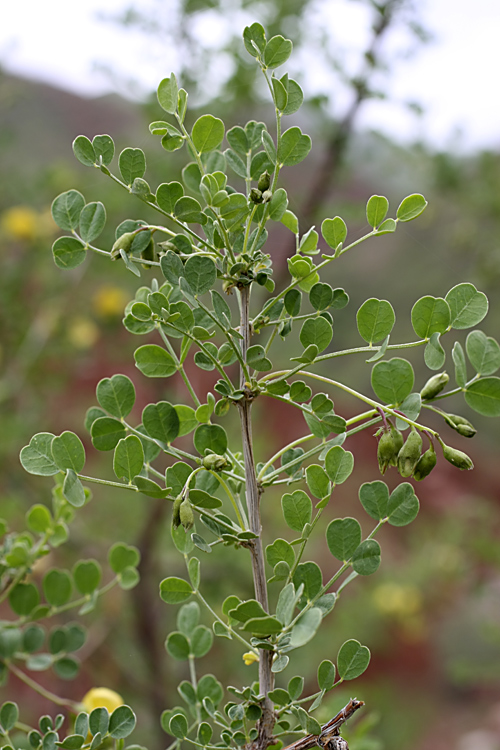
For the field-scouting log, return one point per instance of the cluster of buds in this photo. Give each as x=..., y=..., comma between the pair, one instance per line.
x=262, y=194
x=182, y=513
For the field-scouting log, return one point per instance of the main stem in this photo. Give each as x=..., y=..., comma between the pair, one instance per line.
x=253, y=492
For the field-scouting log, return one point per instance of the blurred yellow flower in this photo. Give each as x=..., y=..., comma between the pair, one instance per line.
x=250, y=657
x=109, y=301
x=101, y=697
x=21, y=222
x=397, y=600
x=82, y=333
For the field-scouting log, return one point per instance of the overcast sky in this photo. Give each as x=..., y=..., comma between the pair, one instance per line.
x=455, y=77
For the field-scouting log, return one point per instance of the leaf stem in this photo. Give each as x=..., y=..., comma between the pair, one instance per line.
x=72, y=705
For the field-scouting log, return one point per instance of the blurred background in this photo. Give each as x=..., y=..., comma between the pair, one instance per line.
x=401, y=97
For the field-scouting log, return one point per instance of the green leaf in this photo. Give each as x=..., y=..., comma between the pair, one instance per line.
x=278, y=203
x=38, y=519
x=68, y=252
x=300, y=392
x=188, y=618
x=132, y=164
x=321, y=296
x=36, y=458
x=207, y=133
x=343, y=537
x=326, y=675
x=411, y=207
x=92, y=221
x=99, y=721
x=483, y=352
x=161, y=421
x=116, y=395
x=374, y=497
x=72, y=742
x=317, y=331
x=430, y=315
x=177, y=646
x=237, y=139
x=211, y=437
x=339, y=464
x=87, y=576
x=277, y=51
x=468, y=306
x=150, y=488
x=256, y=358
x=247, y=610
x=306, y=627
x=334, y=231
x=106, y=432
x=104, y=148
x=375, y=319
x=295, y=97
x=393, y=380
x=279, y=696
x=168, y=94
x=297, y=509
x=57, y=587
x=317, y=481
x=84, y=151
x=290, y=221
x=403, y=505
x=167, y=195
x=352, y=660
x=68, y=452
x=9, y=714
x=175, y=590
x=263, y=626
x=269, y=147
x=73, y=489
x=189, y=210
x=254, y=38
x=280, y=94
x=121, y=722
x=309, y=574
x=122, y=556
x=380, y=351
x=202, y=499
x=66, y=210
x=293, y=147
x=280, y=550
x=434, y=354
x=376, y=210
x=200, y=272
x=201, y=641
x=460, y=364
x=366, y=558
x=23, y=598
x=484, y=396
x=154, y=362
x=129, y=458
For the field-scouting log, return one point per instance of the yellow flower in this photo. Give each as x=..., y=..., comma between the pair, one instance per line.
x=21, y=222
x=101, y=697
x=109, y=301
x=397, y=600
x=250, y=658
x=82, y=333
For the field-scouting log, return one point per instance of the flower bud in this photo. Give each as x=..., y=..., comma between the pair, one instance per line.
x=461, y=425
x=264, y=182
x=214, y=462
x=256, y=195
x=385, y=451
x=266, y=196
x=409, y=454
x=186, y=515
x=398, y=439
x=124, y=242
x=176, y=516
x=434, y=386
x=425, y=465
x=457, y=458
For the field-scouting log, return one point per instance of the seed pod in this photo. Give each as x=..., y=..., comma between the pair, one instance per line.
x=176, y=516
x=434, y=386
x=398, y=439
x=386, y=451
x=425, y=464
x=168, y=245
x=214, y=462
x=409, y=454
x=186, y=515
x=264, y=181
x=256, y=195
x=148, y=253
x=124, y=242
x=461, y=425
x=457, y=458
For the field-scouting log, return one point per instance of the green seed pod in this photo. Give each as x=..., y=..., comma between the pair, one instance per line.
x=457, y=458
x=425, y=465
x=264, y=182
x=168, y=245
x=148, y=253
x=186, y=515
x=398, y=439
x=214, y=462
x=409, y=454
x=461, y=425
x=256, y=195
x=124, y=242
x=434, y=386
x=176, y=516
x=386, y=451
